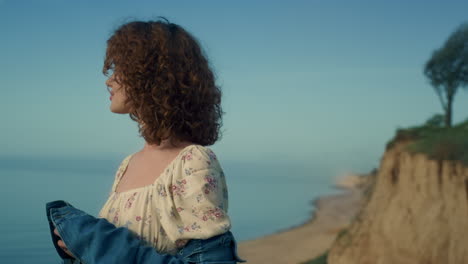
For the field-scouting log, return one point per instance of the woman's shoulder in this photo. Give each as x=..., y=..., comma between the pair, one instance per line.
x=125, y=161
x=200, y=150
x=123, y=164
x=199, y=156
x=198, y=153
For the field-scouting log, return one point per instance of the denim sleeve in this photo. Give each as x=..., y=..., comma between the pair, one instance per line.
x=97, y=241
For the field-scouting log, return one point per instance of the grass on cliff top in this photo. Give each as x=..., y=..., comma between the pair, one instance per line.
x=437, y=142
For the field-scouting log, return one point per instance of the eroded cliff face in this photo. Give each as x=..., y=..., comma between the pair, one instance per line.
x=417, y=214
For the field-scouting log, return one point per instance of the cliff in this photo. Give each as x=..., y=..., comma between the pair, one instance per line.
x=417, y=213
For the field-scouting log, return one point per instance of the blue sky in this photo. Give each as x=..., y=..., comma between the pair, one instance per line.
x=303, y=81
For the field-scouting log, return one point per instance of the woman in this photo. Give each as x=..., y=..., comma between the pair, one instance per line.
x=171, y=194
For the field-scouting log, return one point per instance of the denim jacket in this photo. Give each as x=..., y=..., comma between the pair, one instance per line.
x=96, y=241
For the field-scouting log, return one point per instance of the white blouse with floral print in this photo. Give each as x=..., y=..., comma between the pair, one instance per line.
x=189, y=200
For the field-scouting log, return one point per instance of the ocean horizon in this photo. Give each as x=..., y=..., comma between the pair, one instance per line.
x=264, y=198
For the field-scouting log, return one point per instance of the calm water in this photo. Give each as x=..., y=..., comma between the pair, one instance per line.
x=263, y=198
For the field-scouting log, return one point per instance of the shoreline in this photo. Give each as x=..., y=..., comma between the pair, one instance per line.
x=314, y=236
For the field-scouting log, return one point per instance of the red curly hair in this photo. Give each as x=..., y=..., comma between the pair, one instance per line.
x=168, y=82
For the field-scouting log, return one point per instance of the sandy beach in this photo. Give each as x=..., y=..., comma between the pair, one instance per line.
x=311, y=239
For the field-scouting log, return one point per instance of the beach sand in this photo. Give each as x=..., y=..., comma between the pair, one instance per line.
x=311, y=239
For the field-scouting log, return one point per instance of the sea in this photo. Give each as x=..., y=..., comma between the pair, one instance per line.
x=264, y=198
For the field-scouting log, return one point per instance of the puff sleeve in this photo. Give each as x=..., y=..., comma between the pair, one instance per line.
x=200, y=196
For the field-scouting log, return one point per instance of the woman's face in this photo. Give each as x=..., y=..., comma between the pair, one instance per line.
x=117, y=96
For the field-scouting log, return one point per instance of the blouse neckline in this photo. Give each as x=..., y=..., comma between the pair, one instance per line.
x=125, y=166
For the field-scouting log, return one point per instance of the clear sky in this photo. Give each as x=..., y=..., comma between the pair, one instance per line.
x=323, y=81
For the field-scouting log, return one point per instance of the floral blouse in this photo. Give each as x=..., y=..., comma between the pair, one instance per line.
x=189, y=200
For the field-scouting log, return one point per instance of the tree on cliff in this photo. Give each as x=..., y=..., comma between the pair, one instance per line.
x=447, y=69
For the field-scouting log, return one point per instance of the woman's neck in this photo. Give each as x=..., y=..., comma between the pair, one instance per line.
x=164, y=145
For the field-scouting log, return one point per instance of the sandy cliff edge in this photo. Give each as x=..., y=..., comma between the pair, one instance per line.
x=416, y=214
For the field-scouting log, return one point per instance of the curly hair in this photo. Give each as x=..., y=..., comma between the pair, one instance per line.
x=168, y=82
